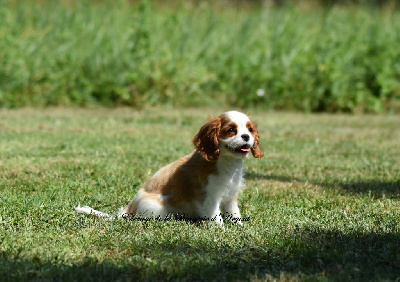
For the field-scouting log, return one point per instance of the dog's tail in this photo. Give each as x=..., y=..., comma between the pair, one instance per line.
x=89, y=210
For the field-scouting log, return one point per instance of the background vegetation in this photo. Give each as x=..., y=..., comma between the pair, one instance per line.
x=289, y=56
x=323, y=203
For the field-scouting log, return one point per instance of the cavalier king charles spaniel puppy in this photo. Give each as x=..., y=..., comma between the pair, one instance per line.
x=202, y=183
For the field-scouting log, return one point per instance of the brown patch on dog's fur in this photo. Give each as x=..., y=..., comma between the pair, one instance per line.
x=176, y=182
x=227, y=124
x=206, y=140
x=256, y=150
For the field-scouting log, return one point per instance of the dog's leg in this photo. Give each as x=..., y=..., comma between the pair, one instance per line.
x=231, y=211
x=146, y=204
x=210, y=209
x=150, y=207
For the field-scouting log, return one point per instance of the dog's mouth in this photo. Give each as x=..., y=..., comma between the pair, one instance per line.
x=244, y=149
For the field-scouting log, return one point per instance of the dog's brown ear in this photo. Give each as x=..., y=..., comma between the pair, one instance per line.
x=256, y=150
x=206, y=140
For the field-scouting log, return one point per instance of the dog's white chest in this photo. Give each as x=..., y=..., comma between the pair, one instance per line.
x=227, y=182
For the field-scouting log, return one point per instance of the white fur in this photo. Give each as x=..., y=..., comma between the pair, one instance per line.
x=89, y=210
x=223, y=188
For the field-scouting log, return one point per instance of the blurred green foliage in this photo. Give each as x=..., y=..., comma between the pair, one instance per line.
x=290, y=57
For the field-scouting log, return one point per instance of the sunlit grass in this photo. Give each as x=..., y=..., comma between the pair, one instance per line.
x=323, y=202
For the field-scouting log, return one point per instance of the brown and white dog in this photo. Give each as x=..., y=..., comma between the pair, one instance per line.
x=200, y=184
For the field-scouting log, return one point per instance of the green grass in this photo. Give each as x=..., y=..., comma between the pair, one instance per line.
x=300, y=57
x=323, y=204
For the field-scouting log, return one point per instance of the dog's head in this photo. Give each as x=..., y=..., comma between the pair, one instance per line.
x=232, y=133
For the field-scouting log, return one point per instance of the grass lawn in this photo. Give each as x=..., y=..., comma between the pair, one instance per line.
x=324, y=202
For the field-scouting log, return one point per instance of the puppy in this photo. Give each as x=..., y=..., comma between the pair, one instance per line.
x=202, y=183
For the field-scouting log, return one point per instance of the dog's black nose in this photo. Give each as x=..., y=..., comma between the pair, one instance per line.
x=245, y=137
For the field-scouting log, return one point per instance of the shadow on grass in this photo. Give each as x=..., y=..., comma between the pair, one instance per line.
x=376, y=188
x=19, y=269
x=307, y=252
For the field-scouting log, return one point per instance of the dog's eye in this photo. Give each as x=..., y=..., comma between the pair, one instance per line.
x=250, y=129
x=230, y=130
